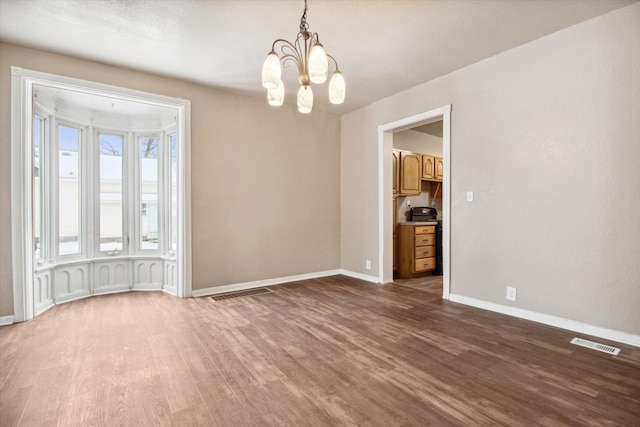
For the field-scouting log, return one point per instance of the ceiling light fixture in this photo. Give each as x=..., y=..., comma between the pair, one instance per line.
x=313, y=66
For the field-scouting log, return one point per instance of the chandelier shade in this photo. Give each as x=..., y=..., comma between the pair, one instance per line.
x=305, y=99
x=311, y=60
x=271, y=71
x=337, y=88
x=318, y=64
x=276, y=96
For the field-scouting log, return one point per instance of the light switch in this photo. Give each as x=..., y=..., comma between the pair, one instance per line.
x=469, y=196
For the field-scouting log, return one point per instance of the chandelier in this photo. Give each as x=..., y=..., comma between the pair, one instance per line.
x=312, y=62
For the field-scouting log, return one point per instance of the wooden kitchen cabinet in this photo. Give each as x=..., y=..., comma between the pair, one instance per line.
x=416, y=250
x=410, y=173
x=395, y=234
x=396, y=171
x=438, y=169
x=428, y=167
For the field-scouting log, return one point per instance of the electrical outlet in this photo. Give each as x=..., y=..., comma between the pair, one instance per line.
x=511, y=293
x=367, y=264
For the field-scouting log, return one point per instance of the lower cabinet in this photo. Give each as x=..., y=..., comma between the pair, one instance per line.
x=416, y=250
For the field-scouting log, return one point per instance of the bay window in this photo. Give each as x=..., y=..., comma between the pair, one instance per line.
x=107, y=185
x=100, y=193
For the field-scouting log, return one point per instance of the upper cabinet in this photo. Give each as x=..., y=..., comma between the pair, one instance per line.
x=438, y=169
x=410, y=173
x=410, y=169
x=396, y=171
x=428, y=167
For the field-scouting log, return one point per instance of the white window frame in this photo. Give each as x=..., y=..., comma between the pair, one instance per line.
x=126, y=187
x=169, y=132
x=84, y=152
x=22, y=108
x=138, y=190
x=45, y=244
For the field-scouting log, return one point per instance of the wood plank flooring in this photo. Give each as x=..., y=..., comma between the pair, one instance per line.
x=331, y=351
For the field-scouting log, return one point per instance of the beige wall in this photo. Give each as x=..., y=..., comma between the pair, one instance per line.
x=418, y=142
x=547, y=135
x=265, y=181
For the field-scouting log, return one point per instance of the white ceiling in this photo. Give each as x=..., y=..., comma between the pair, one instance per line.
x=382, y=47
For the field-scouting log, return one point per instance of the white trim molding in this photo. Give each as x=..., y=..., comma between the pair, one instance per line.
x=385, y=191
x=547, y=319
x=6, y=320
x=260, y=283
x=366, y=277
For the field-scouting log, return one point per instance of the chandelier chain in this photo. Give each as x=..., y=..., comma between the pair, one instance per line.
x=304, y=27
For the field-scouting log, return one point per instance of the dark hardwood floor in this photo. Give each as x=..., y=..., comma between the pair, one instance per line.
x=331, y=351
x=431, y=284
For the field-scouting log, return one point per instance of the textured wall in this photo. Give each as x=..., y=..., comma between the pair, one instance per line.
x=265, y=181
x=418, y=142
x=547, y=135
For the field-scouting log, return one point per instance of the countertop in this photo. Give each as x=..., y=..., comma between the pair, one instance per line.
x=418, y=222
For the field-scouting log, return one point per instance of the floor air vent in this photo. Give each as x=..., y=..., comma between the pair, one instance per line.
x=596, y=346
x=238, y=294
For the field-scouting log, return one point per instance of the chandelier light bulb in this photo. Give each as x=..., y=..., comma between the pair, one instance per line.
x=271, y=71
x=318, y=64
x=276, y=96
x=305, y=99
x=337, y=88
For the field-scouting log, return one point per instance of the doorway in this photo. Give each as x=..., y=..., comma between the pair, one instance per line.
x=385, y=190
x=113, y=234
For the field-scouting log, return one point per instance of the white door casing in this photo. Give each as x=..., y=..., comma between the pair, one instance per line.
x=385, y=191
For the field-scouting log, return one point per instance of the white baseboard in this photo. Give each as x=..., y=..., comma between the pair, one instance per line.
x=110, y=290
x=547, y=319
x=72, y=297
x=44, y=307
x=147, y=287
x=360, y=276
x=260, y=283
x=170, y=291
x=6, y=320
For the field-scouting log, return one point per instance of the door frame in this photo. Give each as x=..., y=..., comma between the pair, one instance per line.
x=22, y=88
x=385, y=191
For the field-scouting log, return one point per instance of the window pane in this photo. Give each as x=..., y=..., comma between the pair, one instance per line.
x=111, y=155
x=148, y=192
x=38, y=136
x=68, y=190
x=174, y=191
